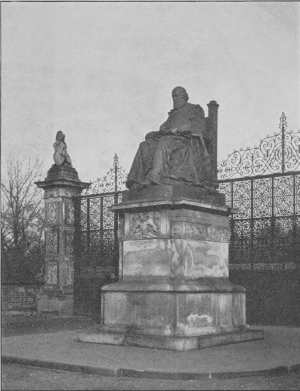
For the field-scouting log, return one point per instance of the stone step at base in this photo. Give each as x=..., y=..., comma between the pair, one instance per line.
x=171, y=342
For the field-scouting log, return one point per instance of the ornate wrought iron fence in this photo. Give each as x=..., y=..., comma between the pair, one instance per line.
x=113, y=181
x=275, y=154
x=96, y=242
x=264, y=251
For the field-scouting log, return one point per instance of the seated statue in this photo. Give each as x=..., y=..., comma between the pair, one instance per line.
x=61, y=155
x=177, y=153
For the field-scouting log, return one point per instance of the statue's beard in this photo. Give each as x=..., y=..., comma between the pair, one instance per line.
x=178, y=104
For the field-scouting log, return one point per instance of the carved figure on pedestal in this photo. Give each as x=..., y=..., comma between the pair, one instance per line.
x=61, y=155
x=178, y=152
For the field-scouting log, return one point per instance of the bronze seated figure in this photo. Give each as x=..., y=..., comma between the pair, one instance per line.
x=183, y=151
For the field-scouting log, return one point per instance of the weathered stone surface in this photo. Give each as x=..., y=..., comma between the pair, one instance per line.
x=60, y=186
x=187, y=221
x=185, y=258
x=197, y=314
x=173, y=287
x=181, y=344
x=62, y=172
x=61, y=155
x=206, y=231
x=146, y=312
x=169, y=343
x=174, y=192
x=193, y=343
x=193, y=205
x=173, y=284
x=238, y=309
x=195, y=259
x=144, y=225
x=178, y=313
x=103, y=338
x=49, y=302
x=52, y=213
x=146, y=258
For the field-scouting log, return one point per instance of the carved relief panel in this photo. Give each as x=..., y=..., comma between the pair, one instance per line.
x=70, y=273
x=200, y=231
x=52, y=217
x=145, y=225
x=52, y=277
x=51, y=242
x=50, y=193
x=69, y=213
x=69, y=243
x=63, y=192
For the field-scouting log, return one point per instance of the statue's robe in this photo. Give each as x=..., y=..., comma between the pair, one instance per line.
x=166, y=158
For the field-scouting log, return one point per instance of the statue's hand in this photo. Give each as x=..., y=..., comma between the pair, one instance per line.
x=185, y=128
x=175, y=131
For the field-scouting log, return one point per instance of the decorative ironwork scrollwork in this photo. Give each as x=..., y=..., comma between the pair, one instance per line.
x=113, y=181
x=262, y=197
x=277, y=153
x=283, y=195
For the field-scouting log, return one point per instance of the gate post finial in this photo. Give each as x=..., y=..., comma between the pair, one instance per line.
x=116, y=168
x=282, y=123
x=116, y=160
x=282, y=126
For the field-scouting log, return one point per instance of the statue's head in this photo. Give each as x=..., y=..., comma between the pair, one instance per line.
x=60, y=136
x=180, y=97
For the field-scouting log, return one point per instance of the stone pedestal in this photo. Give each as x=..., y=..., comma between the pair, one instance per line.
x=173, y=291
x=61, y=184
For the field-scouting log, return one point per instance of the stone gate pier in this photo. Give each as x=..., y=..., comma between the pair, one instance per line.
x=60, y=186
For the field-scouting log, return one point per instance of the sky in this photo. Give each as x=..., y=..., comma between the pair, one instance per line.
x=103, y=74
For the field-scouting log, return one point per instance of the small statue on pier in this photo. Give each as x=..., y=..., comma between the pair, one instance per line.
x=61, y=155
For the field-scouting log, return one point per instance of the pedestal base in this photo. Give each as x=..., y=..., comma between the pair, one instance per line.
x=174, y=308
x=173, y=315
x=128, y=338
x=173, y=291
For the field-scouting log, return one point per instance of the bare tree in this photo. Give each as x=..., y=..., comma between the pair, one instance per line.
x=22, y=215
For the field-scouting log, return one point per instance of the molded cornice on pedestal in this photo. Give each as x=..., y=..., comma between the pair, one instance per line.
x=172, y=204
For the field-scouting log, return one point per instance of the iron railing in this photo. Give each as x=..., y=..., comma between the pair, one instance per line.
x=264, y=252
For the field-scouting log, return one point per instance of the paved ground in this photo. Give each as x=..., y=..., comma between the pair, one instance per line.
x=135, y=368
x=32, y=323
x=20, y=377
